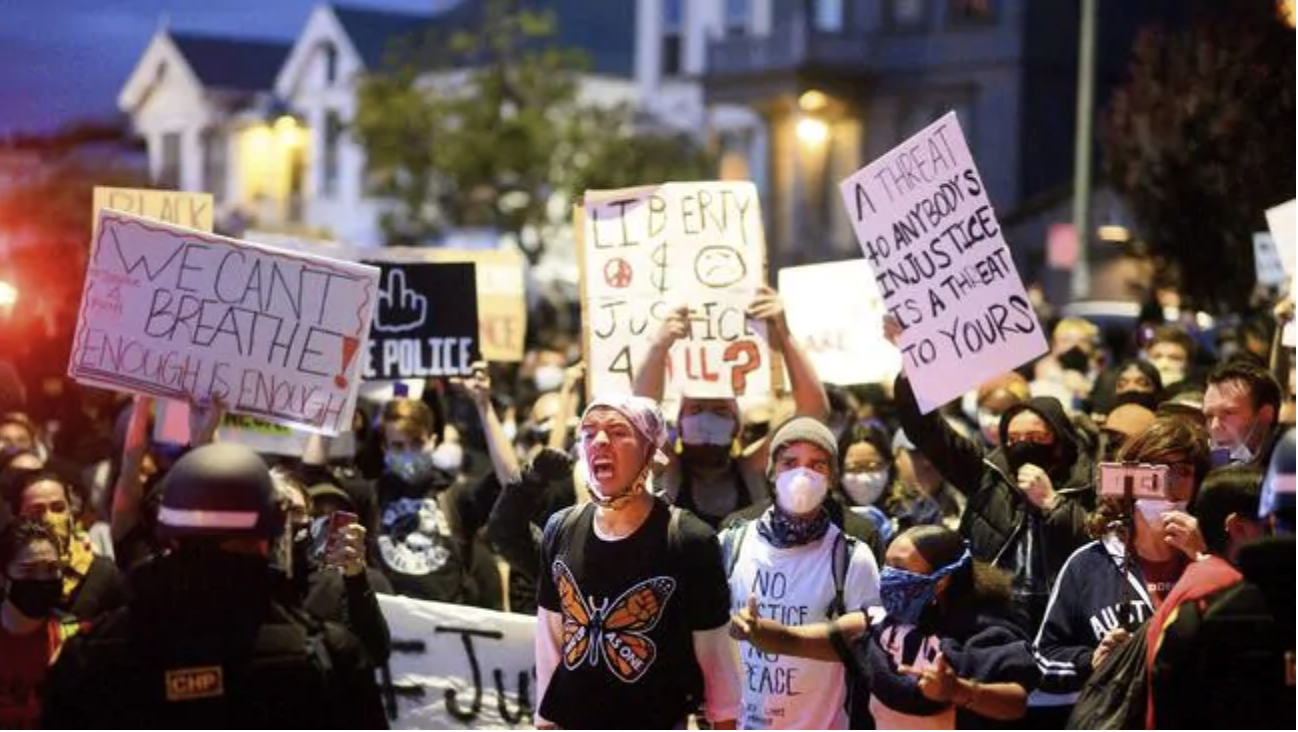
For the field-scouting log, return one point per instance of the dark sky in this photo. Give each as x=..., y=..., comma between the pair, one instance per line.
x=63, y=60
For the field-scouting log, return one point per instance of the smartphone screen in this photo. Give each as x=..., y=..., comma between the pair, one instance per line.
x=1146, y=480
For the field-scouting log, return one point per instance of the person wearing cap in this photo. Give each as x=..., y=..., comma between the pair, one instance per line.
x=794, y=565
x=203, y=642
x=707, y=476
x=633, y=603
x=1223, y=657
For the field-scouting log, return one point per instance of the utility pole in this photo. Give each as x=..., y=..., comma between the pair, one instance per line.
x=1081, y=278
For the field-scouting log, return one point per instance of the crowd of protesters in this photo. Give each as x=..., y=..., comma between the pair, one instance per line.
x=819, y=559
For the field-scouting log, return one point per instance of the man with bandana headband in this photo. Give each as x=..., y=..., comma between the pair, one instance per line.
x=633, y=603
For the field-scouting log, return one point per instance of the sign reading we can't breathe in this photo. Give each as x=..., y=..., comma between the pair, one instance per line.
x=924, y=221
x=178, y=313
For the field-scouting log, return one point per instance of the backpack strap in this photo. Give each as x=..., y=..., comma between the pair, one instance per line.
x=841, y=560
x=732, y=540
x=674, y=530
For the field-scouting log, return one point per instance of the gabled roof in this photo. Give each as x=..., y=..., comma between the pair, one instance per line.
x=604, y=29
x=375, y=32
x=232, y=63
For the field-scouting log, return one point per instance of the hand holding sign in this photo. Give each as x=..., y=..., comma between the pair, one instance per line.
x=675, y=326
x=204, y=418
x=400, y=308
x=768, y=306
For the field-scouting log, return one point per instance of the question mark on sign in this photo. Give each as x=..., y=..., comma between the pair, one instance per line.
x=739, y=372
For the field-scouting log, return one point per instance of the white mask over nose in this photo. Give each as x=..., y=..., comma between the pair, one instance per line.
x=707, y=429
x=800, y=490
x=1153, y=509
x=1169, y=370
x=865, y=488
x=548, y=378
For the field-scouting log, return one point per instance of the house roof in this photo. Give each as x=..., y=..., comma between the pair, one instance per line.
x=232, y=63
x=605, y=29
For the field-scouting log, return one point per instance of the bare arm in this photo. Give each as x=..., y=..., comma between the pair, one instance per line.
x=717, y=657
x=503, y=460
x=128, y=493
x=809, y=396
x=804, y=641
x=1000, y=701
x=549, y=629
x=651, y=373
x=567, y=406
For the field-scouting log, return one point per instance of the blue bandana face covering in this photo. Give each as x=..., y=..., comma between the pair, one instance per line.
x=906, y=594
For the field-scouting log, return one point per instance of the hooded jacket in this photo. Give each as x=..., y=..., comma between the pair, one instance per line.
x=1002, y=526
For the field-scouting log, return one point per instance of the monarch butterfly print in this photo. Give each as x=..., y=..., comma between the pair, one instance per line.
x=613, y=630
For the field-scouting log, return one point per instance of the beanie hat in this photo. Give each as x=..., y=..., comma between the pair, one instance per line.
x=802, y=429
x=643, y=413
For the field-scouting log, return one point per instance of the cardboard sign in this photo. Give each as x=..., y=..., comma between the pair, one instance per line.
x=1266, y=259
x=177, y=313
x=426, y=322
x=182, y=208
x=1282, y=220
x=501, y=285
x=647, y=250
x=926, y=226
x=836, y=313
x=460, y=667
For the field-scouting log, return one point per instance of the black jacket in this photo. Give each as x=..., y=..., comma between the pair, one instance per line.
x=203, y=644
x=1002, y=527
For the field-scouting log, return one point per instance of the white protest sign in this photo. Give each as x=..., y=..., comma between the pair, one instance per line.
x=835, y=311
x=177, y=313
x=460, y=667
x=927, y=228
x=1282, y=220
x=647, y=250
x=1266, y=259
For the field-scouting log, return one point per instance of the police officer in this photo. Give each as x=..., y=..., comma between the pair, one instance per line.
x=203, y=643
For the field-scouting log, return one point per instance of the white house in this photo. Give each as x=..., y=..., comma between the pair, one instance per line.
x=271, y=142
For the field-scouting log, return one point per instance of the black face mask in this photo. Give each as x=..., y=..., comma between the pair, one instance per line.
x=1023, y=453
x=1074, y=359
x=35, y=598
x=1140, y=398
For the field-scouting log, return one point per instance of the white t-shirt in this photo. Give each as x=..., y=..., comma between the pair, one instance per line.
x=795, y=586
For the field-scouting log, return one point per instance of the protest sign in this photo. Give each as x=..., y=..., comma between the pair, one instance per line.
x=1282, y=220
x=835, y=311
x=426, y=321
x=458, y=667
x=644, y=251
x=182, y=208
x=926, y=226
x=177, y=313
x=499, y=275
x=1266, y=260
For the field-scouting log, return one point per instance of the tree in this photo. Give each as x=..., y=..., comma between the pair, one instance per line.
x=1200, y=141
x=489, y=129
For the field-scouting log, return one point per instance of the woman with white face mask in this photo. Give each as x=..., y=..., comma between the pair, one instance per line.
x=1109, y=587
x=797, y=567
x=868, y=474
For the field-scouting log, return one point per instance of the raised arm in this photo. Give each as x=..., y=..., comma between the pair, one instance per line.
x=651, y=373
x=503, y=459
x=809, y=396
x=567, y=407
x=128, y=493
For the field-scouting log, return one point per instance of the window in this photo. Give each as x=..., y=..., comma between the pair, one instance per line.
x=330, y=52
x=736, y=17
x=214, y=162
x=906, y=13
x=965, y=12
x=672, y=26
x=829, y=16
x=169, y=171
x=333, y=133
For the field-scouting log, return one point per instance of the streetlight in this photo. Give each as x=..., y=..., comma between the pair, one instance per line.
x=1081, y=279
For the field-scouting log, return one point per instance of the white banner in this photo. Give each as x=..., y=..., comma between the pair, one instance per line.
x=647, y=250
x=835, y=311
x=178, y=313
x=927, y=228
x=458, y=667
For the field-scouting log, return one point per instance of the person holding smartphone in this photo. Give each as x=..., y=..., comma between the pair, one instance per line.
x=1144, y=540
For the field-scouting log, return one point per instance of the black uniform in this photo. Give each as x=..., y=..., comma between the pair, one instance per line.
x=204, y=644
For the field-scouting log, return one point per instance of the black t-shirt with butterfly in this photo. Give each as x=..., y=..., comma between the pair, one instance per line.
x=629, y=609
